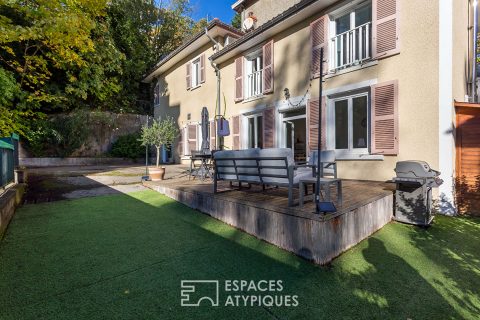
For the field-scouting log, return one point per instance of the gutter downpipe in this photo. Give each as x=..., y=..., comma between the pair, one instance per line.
x=475, y=48
x=219, y=144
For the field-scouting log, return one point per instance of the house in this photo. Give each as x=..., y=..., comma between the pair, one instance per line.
x=392, y=71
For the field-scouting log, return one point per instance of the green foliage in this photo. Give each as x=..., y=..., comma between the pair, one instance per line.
x=44, y=38
x=11, y=118
x=61, y=55
x=237, y=21
x=59, y=136
x=128, y=146
x=161, y=132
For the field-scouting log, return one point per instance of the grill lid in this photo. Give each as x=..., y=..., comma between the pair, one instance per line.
x=415, y=169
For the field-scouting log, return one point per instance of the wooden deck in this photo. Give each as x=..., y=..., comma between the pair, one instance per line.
x=367, y=206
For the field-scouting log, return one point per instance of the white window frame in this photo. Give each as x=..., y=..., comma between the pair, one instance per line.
x=348, y=9
x=253, y=81
x=185, y=138
x=350, y=152
x=254, y=116
x=195, y=73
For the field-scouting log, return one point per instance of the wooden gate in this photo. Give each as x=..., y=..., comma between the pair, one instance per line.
x=467, y=186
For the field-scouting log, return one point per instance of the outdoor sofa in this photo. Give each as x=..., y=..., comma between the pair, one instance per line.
x=266, y=167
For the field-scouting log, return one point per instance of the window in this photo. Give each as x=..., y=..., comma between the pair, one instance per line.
x=254, y=69
x=192, y=138
x=255, y=131
x=156, y=95
x=196, y=72
x=351, y=36
x=350, y=123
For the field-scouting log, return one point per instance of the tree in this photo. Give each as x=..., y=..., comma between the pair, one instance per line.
x=145, y=32
x=237, y=21
x=57, y=54
x=60, y=55
x=161, y=132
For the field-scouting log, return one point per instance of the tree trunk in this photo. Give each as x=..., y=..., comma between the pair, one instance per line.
x=158, y=156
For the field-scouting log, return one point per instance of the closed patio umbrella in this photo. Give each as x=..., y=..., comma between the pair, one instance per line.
x=205, y=131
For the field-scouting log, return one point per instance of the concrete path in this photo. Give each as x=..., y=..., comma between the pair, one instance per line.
x=58, y=183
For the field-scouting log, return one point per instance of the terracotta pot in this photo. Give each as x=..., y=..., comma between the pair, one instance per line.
x=156, y=173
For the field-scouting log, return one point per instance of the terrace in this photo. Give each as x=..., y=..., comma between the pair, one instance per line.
x=366, y=207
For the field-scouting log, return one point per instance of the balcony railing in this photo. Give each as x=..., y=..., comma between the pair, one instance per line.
x=254, y=84
x=352, y=46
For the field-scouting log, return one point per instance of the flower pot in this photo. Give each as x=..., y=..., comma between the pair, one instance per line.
x=156, y=173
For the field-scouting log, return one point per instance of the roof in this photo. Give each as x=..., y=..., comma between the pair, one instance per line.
x=214, y=24
x=236, y=5
x=294, y=14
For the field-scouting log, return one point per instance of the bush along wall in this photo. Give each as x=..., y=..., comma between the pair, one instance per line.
x=128, y=146
x=85, y=134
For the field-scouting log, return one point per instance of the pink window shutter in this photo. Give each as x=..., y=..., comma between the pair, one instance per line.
x=236, y=132
x=180, y=149
x=239, y=79
x=213, y=136
x=384, y=139
x=189, y=76
x=385, y=28
x=269, y=128
x=192, y=138
x=312, y=116
x=318, y=40
x=268, y=67
x=202, y=68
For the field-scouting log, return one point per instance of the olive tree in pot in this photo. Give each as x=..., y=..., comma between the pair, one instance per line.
x=161, y=132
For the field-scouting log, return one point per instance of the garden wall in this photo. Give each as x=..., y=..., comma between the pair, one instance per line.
x=9, y=200
x=103, y=131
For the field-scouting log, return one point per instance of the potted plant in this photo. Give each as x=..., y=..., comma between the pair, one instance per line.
x=161, y=132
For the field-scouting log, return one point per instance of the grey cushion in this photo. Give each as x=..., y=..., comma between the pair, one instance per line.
x=282, y=170
x=327, y=156
x=228, y=157
x=249, y=174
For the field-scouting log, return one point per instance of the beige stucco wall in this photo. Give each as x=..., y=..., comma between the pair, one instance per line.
x=416, y=68
x=177, y=102
x=265, y=10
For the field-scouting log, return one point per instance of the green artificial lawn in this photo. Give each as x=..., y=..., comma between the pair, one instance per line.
x=124, y=256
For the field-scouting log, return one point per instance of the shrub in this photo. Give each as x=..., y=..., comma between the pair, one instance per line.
x=128, y=146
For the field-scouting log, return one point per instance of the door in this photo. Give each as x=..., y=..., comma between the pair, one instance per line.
x=295, y=133
x=255, y=131
x=467, y=186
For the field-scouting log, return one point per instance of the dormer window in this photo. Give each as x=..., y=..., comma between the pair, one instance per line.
x=227, y=41
x=195, y=72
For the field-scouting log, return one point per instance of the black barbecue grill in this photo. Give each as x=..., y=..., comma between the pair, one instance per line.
x=413, y=197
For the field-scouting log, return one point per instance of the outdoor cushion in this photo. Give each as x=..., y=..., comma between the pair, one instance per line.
x=228, y=157
x=276, y=153
x=328, y=156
